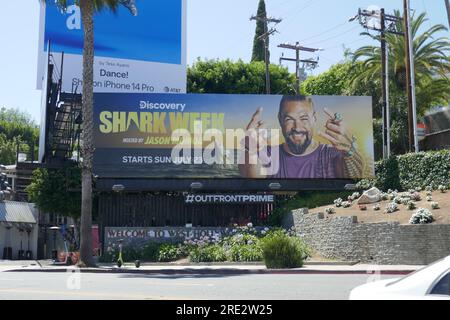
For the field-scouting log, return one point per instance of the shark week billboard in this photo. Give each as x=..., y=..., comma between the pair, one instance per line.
x=139, y=48
x=233, y=136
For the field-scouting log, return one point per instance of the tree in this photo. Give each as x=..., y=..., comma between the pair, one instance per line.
x=258, y=53
x=88, y=8
x=338, y=81
x=226, y=76
x=17, y=129
x=57, y=191
x=431, y=61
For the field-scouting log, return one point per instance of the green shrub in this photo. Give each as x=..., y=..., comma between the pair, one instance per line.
x=421, y=216
x=282, y=251
x=246, y=253
x=410, y=171
x=169, y=252
x=388, y=174
x=210, y=253
x=150, y=252
x=425, y=169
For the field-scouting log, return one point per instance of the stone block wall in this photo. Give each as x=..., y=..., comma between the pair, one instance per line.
x=382, y=243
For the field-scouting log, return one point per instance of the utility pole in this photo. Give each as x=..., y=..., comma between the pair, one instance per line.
x=297, y=48
x=447, y=6
x=410, y=81
x=364, y=17
x=385, y=88
x=265, y=38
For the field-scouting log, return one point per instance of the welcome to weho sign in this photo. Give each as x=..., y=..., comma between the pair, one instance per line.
x=163, y=234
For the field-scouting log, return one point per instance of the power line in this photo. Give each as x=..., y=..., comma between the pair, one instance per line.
x=308, y=4
x=345, y=44
x=333, y=37
x=324, y=32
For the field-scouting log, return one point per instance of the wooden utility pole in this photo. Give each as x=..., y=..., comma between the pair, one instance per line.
x=364, y=16
x=265, y=38
x=297, y=48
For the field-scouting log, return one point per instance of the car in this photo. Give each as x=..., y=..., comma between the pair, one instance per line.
x=429, y=283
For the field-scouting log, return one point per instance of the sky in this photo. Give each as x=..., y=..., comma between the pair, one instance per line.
x=215, y=29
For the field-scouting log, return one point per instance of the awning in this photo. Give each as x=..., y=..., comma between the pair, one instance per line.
x=16, y=213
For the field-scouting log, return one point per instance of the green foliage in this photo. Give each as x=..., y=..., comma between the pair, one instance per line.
x=388, y=175
x=226, y=76
x=334, y=81
x=421, y=216
x=150, y=252
x=424, y=169
x=258, y=53
x=431, y=61
x=282, y=251
x=169, y=252
x=412, y=170
x=246, y=253
x=16, y=128
x=243, y=247
x=303, y=199
x=211, y=253
x=57, y=191
x=337, y=81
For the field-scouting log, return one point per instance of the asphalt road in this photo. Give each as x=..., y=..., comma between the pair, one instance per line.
x=87, y=286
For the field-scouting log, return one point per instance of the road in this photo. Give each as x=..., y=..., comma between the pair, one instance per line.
x=87, y=286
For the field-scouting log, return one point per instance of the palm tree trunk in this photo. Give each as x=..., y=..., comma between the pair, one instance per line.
x=447, y=5
x=87, y=11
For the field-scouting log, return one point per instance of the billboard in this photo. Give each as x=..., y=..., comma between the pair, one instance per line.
x=217, y=136
x=139, y=48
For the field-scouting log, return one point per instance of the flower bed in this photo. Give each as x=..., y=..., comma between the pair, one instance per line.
x=241, y=244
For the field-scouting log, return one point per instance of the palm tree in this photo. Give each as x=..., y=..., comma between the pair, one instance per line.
x=88, y=8
x=432, y=65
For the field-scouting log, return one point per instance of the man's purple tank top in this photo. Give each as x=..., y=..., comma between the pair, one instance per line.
x=326, y=162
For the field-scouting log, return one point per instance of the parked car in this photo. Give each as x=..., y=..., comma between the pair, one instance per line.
x=429, y=283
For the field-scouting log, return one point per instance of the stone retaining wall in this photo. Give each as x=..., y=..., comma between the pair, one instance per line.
x=382, y=243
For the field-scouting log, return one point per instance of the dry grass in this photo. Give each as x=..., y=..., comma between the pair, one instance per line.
x=441, y=215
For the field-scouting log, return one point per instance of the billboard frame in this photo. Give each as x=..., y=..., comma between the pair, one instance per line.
x=241, y=184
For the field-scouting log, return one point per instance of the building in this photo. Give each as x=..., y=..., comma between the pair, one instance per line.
x=18, y=230
x=437, y=130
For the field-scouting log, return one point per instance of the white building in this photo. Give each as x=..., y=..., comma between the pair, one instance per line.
x=18, y=230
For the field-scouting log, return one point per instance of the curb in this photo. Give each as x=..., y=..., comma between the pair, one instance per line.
x=188, y=271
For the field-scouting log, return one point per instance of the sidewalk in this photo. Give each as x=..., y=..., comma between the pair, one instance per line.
x=213, y=268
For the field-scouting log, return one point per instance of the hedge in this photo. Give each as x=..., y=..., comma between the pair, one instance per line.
x=411, y=170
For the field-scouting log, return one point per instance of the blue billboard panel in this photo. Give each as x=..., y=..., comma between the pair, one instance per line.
x=143, y=42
